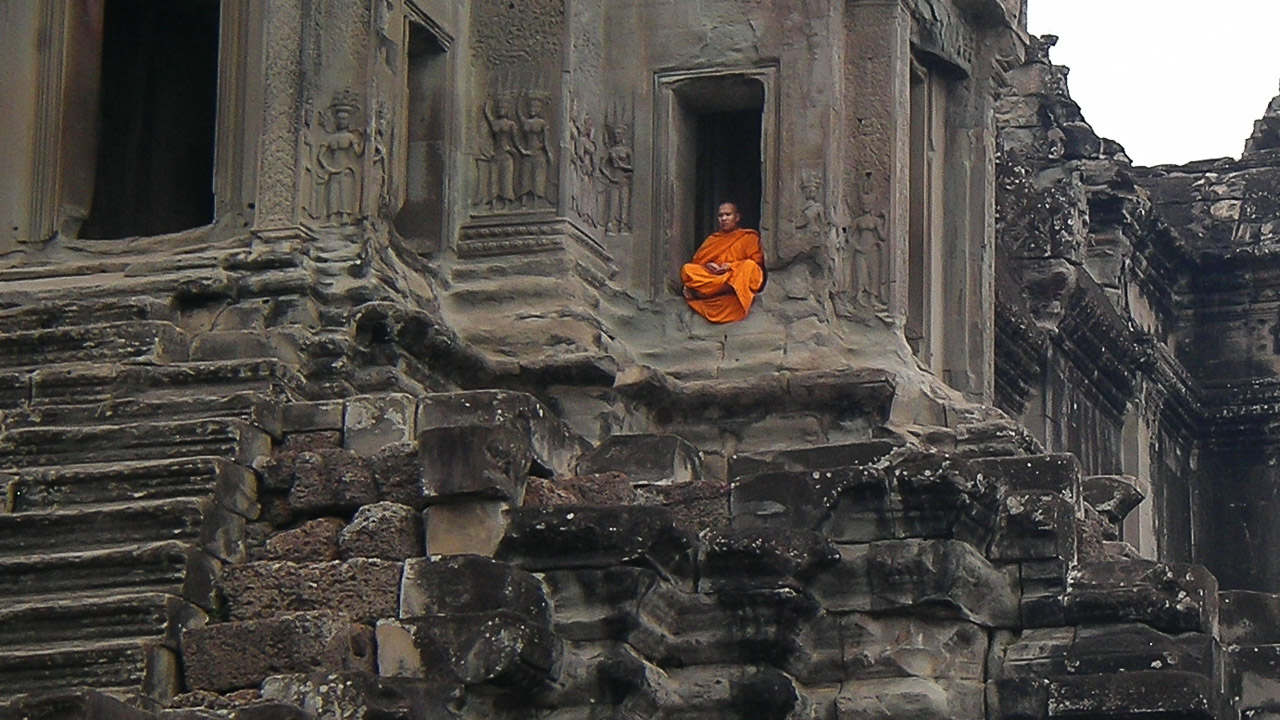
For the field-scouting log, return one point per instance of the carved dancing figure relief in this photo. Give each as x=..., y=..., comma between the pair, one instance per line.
x=507, y=150
x=812, y=218
x=338, y=161
x=583, y=149
x=536, y=149
x=868, y=232
x=618, y=170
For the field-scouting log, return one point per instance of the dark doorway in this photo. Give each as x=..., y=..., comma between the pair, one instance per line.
x=421, y=219
x=728, y=166
x=154, y=169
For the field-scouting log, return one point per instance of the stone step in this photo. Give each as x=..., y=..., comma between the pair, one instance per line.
x=141, y=341
x=90, y=384
x=53, y=313
x=37, y=489
x=122, y=616
x=251, y=406
x=47, y=446
x=171, y=567
x=99, y=664
x=96, y=527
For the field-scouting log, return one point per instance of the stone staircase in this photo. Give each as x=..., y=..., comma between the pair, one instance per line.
x=127, y=478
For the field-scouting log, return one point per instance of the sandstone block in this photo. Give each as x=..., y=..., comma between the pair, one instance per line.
x=469, y=584
x=651, y=459
x=372, y=422
x=363, y=589
x=384, y=530
x=555, y=448
x=233, y=655
x=494, y=648
x=817, y=457
x=912, y=697
x=946, y=577
x=1168, y=597
x=1034, y=525
x=760, y=558
x=305, y=417
x=473, y=462
x=597, y=604
x=1113, y=496
x=1248, y=618
x=569, y=537
x=1153, y=693
x=474, y=527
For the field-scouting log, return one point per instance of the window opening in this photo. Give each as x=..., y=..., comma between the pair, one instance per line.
x=157, y=118
x=728, y=167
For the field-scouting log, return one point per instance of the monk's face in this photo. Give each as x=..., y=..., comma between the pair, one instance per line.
x=727, y=217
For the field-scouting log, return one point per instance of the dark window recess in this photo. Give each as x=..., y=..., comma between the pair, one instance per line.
x=154, y=170
x=421, y=218
x=728, y=166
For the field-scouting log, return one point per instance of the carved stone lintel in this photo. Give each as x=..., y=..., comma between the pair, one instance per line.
x=530, y=236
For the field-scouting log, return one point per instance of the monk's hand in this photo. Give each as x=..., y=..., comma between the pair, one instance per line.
x=717, y=268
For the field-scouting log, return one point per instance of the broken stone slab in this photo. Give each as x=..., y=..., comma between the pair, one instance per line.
x=496, y=648
x=321, y=415
x=1054, y=473
x=725, y=691
x=466, y=527
x=575, y=537
x=233, y=655
x=473, y=462
x=363, y=589
x=647, y=459
x=911, y=697
x=857, y=646
x=1170, y=597
x=372, y=422
x=761, y=558
x=1113, y=496
x=1102, y=649
x=1022, y=698
x=937, y=578
x=1248, y=618
x=1254, y=678
x=555, y=447
x=469, y=584
x=818, y=457
x=597, y=604
x=802, y=499
x=387, y=531
x=1034, y=525
x=1153, y=693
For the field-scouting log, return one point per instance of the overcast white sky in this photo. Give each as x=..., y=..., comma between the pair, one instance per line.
x=1170, y=80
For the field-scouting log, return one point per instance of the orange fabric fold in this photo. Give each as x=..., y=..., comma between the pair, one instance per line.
x=726, y=297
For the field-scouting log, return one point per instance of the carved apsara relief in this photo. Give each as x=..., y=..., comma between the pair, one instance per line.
x=516, y=169
x=584, y=150
x=867, y=241
x=335, y=163
x=618, y=170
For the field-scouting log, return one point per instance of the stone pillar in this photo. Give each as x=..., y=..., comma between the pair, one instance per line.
x=280, y=158
x=49, y=57
x=877, y=93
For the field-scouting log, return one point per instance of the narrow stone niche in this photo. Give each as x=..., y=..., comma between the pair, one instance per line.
x=157, y=118
x=421, y=218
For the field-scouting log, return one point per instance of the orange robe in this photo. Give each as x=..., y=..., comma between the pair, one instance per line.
x=727, y=297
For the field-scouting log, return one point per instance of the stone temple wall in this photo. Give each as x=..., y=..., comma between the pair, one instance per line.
x=410, y=423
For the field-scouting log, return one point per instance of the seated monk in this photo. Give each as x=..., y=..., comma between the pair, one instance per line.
x=726, y=272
